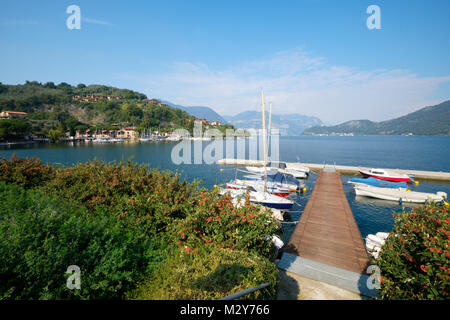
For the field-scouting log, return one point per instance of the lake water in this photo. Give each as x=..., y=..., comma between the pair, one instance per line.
x=371, y=215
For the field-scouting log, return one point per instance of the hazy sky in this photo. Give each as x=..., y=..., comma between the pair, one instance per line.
x=311, y=57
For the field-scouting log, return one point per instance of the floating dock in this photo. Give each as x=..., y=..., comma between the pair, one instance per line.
x=352, y=170
x=326, y=244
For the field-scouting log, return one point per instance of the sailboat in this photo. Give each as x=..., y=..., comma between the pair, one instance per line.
x=299, y=172
x=262, y=196
x=145, y=137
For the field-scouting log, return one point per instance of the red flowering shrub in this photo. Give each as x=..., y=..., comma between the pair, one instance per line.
x=26, y=172
x=216, y=220
x=414, y=260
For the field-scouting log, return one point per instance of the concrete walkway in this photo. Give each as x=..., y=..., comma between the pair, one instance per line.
x=295, y=287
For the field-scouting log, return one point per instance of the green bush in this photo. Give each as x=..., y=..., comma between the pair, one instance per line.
x=40, y=236
x=414, y=260
x=211, y=273
x=144, y=199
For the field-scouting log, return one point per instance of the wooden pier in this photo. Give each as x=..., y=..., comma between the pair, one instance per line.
x=327, y=231
x=326, y=244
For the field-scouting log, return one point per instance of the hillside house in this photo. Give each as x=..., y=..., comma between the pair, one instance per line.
x=12, y=115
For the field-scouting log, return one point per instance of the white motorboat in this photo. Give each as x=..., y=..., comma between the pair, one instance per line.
x=298, y=174
x=260, y=197
x=281, y=180
x=295, y=169
x=374, y=242
x=260, y=170
x=257, y=185
x=398, y=194
x=385, y=175
x=101, y=140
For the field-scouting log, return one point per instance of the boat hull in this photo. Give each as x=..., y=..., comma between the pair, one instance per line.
x=399, y=194
x=386, y=178
x=279, y=206
x=378, y=182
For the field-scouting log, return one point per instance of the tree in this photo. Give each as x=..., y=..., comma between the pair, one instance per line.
x=50, y=85
x=81, y=86
x=14, y=129
x=55, y=134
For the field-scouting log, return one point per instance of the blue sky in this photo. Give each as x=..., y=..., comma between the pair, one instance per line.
x=311, y=57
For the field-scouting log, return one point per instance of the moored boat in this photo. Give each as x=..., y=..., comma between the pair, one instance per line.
x=385, y=175
x=398, y=194
x=281, y=180
x=378, y=182
x=263, y=198
x=255, y=185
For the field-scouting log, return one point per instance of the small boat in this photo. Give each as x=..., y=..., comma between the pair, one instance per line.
x=263, y=198
x=260, y=170
x=385, y=175
x=281, y=167
x=398, y=194
x=282, y=180
x=101, y=140
x=255, y=185
x=297, y=170
x=374, y=242
x=378, y=182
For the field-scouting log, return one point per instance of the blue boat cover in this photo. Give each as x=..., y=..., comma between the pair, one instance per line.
x=379, y=183
x=283, y=178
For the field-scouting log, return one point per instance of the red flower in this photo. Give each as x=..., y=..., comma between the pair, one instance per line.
x=188, y=249
x=424, y=268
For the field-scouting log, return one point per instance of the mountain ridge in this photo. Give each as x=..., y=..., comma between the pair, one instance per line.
x=288, y=124
x=200, y=112
x=429, y=120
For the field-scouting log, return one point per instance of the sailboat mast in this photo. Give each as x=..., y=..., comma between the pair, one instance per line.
x=270, y=128
x=264, y=139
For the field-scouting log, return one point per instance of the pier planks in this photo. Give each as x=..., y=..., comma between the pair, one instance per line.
x=327, y=231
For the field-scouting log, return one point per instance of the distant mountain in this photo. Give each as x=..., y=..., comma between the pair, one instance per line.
x=288, y=124
x=432, y=120
x=199, y=112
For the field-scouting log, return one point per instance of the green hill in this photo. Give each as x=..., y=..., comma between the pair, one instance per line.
x=67, y=107
x=432, y=120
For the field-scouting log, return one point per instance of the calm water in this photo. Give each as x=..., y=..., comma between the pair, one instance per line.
x=419, y=153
